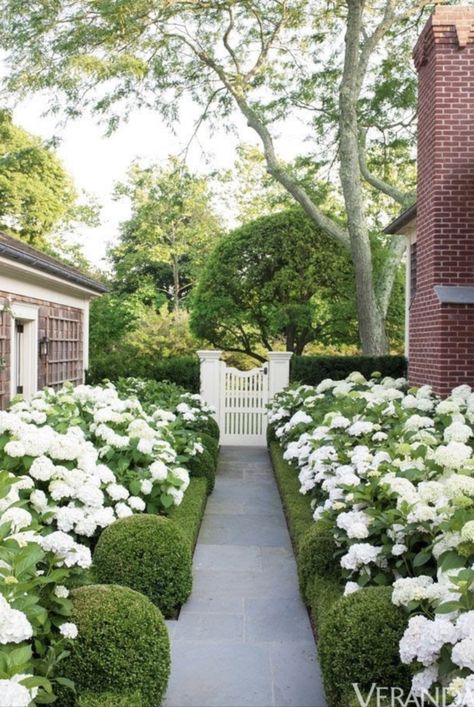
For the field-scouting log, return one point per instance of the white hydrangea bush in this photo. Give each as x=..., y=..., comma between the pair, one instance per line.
x=392, y=468
x=37, y=565
x=93, y=457
x=71, y=462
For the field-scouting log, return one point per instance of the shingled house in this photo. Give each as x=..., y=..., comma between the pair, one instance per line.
x=44, y=320
x=440, y=227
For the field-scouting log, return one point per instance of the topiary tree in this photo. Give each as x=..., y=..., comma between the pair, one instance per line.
x=122, y=647
x=276, y=278
x=359, y=643
x=149, y=554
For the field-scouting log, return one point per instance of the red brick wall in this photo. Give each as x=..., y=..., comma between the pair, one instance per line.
x=63, y=325
x=441, y=344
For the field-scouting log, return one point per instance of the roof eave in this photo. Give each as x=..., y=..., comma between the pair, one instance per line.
x=403, y=220
x=10, y=252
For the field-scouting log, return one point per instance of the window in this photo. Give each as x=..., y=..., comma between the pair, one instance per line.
x=64, y=363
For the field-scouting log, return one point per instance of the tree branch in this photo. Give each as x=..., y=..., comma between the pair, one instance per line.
x=378, y=183
x=385, y=283
x=225, y=40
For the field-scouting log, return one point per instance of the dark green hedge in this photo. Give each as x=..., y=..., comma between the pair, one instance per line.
x=204, y=464
x=311, y=370
x=188, y=515
x=296, y=506
x=110, y=699
x=359, y=643
x=122, y=647
x=359, y=634
x=316, y=556
x=182, y=370
x=149, y=554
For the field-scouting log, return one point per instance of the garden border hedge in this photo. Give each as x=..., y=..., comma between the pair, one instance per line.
x=328, y=607
x=311, y=370
x=190, y=513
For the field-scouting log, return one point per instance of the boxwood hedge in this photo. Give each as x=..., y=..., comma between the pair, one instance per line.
x=122, y=647
x=148, y=553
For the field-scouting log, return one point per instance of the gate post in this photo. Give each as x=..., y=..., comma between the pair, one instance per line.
x=211, y=379
x=278, y=371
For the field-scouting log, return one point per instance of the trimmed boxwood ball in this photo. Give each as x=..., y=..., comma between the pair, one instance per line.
x=148, y=553
x=316, y=555
x=359, y=642
x=122, y=647
x=204, y=465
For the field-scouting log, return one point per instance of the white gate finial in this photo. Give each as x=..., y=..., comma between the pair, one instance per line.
x=211, y=379
x=278, y=371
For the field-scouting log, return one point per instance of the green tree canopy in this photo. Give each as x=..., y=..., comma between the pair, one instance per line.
x=276, y=279
x=170, y=233
x=270, y=60
x=36, y=193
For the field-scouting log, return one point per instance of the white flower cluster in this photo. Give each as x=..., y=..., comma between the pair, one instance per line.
x=83, y=477
x=394, y=473
x=73, y=461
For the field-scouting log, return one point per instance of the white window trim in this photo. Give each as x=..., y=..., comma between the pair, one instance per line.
x=27, y=313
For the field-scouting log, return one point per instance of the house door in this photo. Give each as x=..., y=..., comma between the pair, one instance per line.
x=24, y=350
x=19, y=367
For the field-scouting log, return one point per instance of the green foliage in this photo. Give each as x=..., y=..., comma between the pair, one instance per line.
x=131, y=339
x=169, y=234
x=321, y=593
x=296, y=507
x=189, y=513
x=316, y=555
x=182, y=370
x=204, y=465
x=147, y=553
x=276, y=278
x=210, y=444
x=151, y=392
x=110, y=319
x=122, y=647
x=359, y=642
x=37, y=196
x=110, y=699
x=311, y=370
x=208, y=426
x=271, y=61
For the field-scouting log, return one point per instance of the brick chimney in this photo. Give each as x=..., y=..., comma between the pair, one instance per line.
x=441, y=322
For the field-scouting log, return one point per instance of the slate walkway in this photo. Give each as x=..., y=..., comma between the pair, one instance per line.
x=244, y=637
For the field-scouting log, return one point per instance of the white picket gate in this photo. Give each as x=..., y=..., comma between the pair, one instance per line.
x=243, y=407
x=240, y=398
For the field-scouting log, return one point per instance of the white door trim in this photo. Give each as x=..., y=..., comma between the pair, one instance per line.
x=28, y=315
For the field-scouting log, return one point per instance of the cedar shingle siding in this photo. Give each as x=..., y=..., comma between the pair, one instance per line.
x=63, y=325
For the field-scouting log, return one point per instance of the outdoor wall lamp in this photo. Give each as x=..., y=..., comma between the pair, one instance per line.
x=44, y=347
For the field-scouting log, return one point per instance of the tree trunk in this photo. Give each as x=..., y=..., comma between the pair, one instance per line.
x=175, y=268
x=371, y=318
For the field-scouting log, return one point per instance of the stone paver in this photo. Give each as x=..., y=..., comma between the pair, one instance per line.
x=244, y=637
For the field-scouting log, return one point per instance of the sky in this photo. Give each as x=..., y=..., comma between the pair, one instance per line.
x=96, y=162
